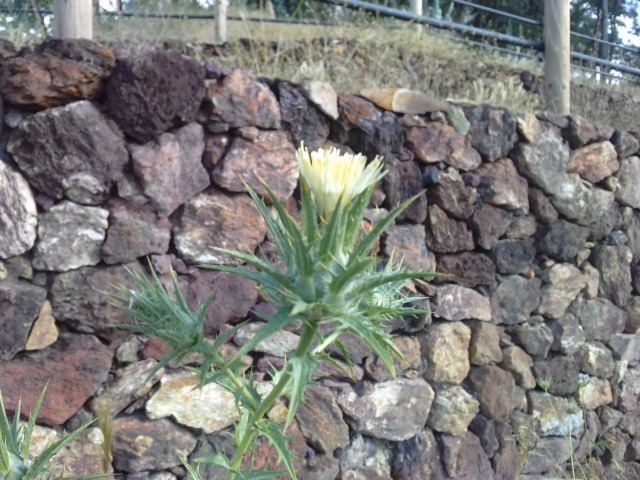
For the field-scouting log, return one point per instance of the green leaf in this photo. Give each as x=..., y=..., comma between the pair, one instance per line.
x=355, y=269
x=301, y=369
x=281, y=443
x=33, y=416
x=371, y=282
x=367, y=243
x=355, y=216
x=308, y=214
x=194, y=473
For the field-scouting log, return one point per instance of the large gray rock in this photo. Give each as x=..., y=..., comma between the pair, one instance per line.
x=416, y=458
x=601, y=319
x=561, y=371
x=77, y=299
x=454, y=302
x=514, y=299
x=70, y=237
x=628, y=178
x=468, y=268
x=395, y=410
x=213, y=219
x=320, y=420
x=437, y=142
x=18, y=213
x=614, y=265
x=495, y=389
x=72, y=151
x=464, y=457
x=133, y=232
x=492, y=131
x=20, y=304
x=568, y=334
x=563, y=240
x=170, y=168
x=544, y=162
x=562, y=283
x=577, y=201
x=153, y=92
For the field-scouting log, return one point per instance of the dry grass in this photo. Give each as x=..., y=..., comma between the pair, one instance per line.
x=383, y=53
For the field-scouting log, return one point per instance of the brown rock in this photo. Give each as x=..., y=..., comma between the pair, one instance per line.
x=453, y=196
x=153, y=92
x=44, y=331
x=485, y=343
x=402, y=100
x=20, y=304
x=74, y=367
x=595, y=359
x=464, y=457
x=212, y=219
x=514, y=299
x=563, y=282
x=468, y=269
x=320, y=420
x=489, y=223
x=239, y=100
x=408, y=365
x=452, y=410
x=402, y=182
x=445, y=347
x=354, y=109
x=562, y=371
x=170, y=168
x=408, y=242
x=437, y=142
x=516, y=361
x=541, y=206
x=595, y=162
x=57, y=72
x=582, y=132
x=445, y=235
x=215, y=147
x=502, y=186
x=133, y=232
x=495, y=389
x=270, y=158
x=139, y=444
x=72, y=151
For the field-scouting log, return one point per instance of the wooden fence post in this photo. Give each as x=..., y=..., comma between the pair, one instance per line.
x=73, y=18
x=221, y=22
x=557, y=56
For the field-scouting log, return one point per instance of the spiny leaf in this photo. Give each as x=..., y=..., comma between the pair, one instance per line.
x=280, y=442
x=301, y=369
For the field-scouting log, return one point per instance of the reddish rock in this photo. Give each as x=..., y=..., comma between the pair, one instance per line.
x=57, y=72
x=495, y=389
x=594, y=162
x=453, y=196
x=234, y=297
x=269, y=157
x=72, y=151
x=468, y=269
x=124, y=240
x=170, y=168
x=239, y=100
x=437, y=142
x=20, y=304
x=213, y=219
x=445, y=235
x=153, y=92
x=355, y=109
x=74, y=367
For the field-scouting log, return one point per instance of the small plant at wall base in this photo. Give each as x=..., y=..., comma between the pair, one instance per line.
x=331, y=286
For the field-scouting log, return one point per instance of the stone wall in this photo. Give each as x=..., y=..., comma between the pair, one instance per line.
x=108, y=161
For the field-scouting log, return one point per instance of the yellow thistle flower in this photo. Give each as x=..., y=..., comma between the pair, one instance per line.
x=332, y=176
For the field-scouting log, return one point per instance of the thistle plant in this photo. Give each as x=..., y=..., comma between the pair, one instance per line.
x=330, y=285
x=16, y=462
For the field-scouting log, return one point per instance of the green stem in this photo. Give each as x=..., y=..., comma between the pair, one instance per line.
x=308, y=334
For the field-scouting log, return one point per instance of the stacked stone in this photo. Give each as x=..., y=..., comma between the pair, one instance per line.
x=534, y=219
